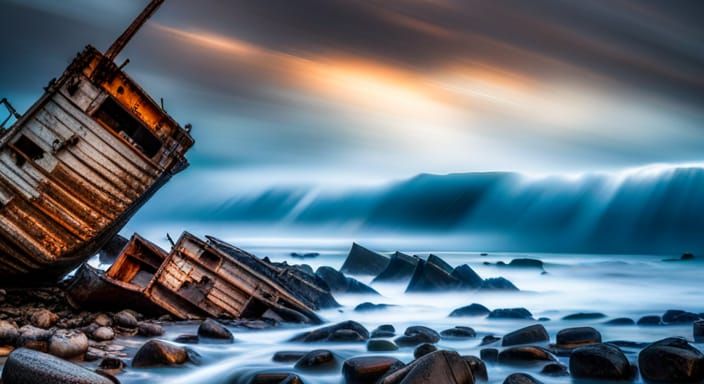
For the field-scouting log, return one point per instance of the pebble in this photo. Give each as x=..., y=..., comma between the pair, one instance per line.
x=477, y=366
x=125, y=319
x=511, y=313
x=44, y=318
x=103, y=334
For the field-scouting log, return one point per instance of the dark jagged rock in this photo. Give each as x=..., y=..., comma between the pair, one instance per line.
x=698, y=331
x=489, y=354
x=676, y=316
x=477, y=366
x=385, y=330
x=214, y=330
x=157, y=353
x=521, y=378
x=423, y=350
x=438, y=367
x=649, y=320
x=287, y=356
x=368, y=369
x=524, y=355
x=511, y=313
x=318, y=360
x=471, y=310
x=381, y=345
x=338, y=282
x=362, y=261
x=601, y=362
x=671, y=360
x=25, y=366
x=584, y=316
x=498, y=284
x=325, y=333
x=528, y=335
x=620, y=321
x=368, y=307
x=400, y=268
x=433, y=274
x=577, y=337
x=458, y=332
x=417, y=335
x=555, y=370
x=467, y=277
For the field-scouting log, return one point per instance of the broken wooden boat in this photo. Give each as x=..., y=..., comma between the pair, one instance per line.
x=80, y=162
x=123, y=285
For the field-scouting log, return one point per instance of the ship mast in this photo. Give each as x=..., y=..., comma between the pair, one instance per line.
x=127, y=35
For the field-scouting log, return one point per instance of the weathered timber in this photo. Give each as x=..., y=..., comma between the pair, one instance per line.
x=77, y=165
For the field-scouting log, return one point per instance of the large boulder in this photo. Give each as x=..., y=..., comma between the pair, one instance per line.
x=157, y=353
x=676, y=316
x=418, y=335
x=362, y=261
x=400, y=268
x=329, y=333
x=671, y=360
x=526, y=263
x=577, y=337
x=25, y=366
x=339, y=283
x=471, y=310
x=467, y=277
x=433, y=274
x=368, y=369
x=438, y=367
x=423, y=350
x=477, y=366
x=497, y=284
x=511, y=313
x=532, y=334
x=212, y=329
x=600, y=362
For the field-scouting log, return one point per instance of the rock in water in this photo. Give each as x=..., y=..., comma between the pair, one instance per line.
x=526, y=263
x=156, y=353
x=671, y=360
x=467, y=277
x=438, y=367
x=328, y=333
x=25, y=366
x=401, y=267
x=126, y=319
x=525, y=355
x=521, y=378
x=498, y=284
x=362, y=261
x=418, y=335
x=511, y=313
x=477, y=366
x=577, y=337
x=381, y=345
x=584, y=316
x=338, y=282
x=212, y=329
x=697, y=330
x=34, y=338
x=433, y=274
x=471, y=310
x=532, y=334
x=368, y=369
x=317, y=360
x=600, y=362
x=676, y=316
x=423, y=350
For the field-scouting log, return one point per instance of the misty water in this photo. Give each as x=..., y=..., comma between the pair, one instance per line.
x=616, y=285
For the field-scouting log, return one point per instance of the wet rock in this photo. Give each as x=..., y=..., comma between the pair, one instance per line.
x=417, y=335
x=214, y=330
x=157, y=353
x=346, y=336
x=524, y=355
x=424, y=349
x=102, y=334
x=8, y=333
x=627, y=344
x=601, y=362
x=338, y=282
x=675, y=316
x=288, y=356
x=649, y=321
x=671, y=360
x=526, y=263
x=687, y=256
x=521, y=378
x=368, y=369
x=498, y=284
x=698, y=331
x=317, y=360
x=44, y=318
x=68, y=344
x=433, y=274
x=531, y=334
x=306, y=255
x=385, y=330
x=276, y=378
x=324, y=334
x=577, y=337
x=111, y=366
x=5, y=351
x=103, y=320
x=472, y=310
x=477, y=366
x=187, y=339
x=511, y=313
x=458, y=332
x=400, y=268
x=489, y=354
x=555, y=370
x=147, y=329
x=584, y=316
x=125, y=319
x=438, y=367
x=620, y=321
x=467, y=277
x=381, y=345
x=34, y=338
x=368, y=307
x=25, y=366
x=362, y=261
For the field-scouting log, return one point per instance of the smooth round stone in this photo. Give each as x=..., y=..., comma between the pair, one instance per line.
x=68, y=344
x=671, y=360
x=528, y=335
x=102, y=320
x=424, y=349
x=212, y=329
x=521, y=378
x=149, y=329
x=288, y=356
x=477, y=366
x=472, y=310
x=524, y=355
x=584, y=316
x=555, y=370
x=157, y=353
x=511, y=313
x=381, y=345
x=44, y=319
x=368, y=369
x=458, y=333
x=577, y=336
x=126, y=319
x=600, y=362
x=276, y=378
x=649, y=320
x=489, y=354
x=26, y=366
x=317, y=360
x=103, y=334
x=187, y=339
x=8, y=333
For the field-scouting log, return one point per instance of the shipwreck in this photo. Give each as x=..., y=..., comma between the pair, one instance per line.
x=79, y=163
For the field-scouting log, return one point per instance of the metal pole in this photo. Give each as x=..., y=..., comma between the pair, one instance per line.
x=127, y=35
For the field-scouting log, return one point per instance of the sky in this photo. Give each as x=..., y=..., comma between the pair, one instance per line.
x=359, y=91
